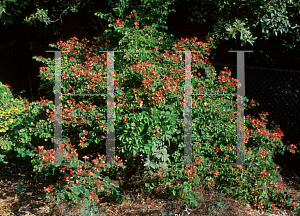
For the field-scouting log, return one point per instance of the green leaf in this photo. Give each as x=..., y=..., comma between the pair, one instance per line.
x=62, y=196
x=174, y=192
x=152, y=165
x=82, y=189
x=87, y=192
x=134, y=151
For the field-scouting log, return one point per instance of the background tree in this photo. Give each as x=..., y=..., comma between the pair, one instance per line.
x=239, y=24
x=270, y=27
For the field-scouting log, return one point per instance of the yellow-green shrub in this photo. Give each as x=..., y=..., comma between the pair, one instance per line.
x=10, y=109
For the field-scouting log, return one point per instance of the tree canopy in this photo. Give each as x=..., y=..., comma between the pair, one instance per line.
x=249, y=20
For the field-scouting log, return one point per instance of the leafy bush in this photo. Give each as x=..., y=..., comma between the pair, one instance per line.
x=149, y=89
x=10, y=109
x=9, y=106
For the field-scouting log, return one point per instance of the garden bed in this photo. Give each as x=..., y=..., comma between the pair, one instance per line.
x=30, y=201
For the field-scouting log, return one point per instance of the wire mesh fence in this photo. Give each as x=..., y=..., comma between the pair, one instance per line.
x=277, y=91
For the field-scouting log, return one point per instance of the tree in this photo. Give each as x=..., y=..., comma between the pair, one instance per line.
x=246, y=18
x=270, y=28
x=11, y=9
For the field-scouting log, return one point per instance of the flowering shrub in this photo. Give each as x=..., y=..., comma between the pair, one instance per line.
x=149, y=92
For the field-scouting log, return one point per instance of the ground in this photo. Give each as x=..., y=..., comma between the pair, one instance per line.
x=30, y=201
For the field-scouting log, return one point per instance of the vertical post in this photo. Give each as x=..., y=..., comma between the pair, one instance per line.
x=57, y=109
x=240, y=107
x=110, y=142
x=187, y=110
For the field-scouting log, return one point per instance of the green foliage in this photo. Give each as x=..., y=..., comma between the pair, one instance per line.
x=149, y=92
x=159, y=152
x=9, y=9
x=148, y=13
x=10, y=111
x=9, y=107
x=227, y=19
x=88, y=210
x=231, y=19
x=18, y=123
x=136, y=120
x=216, y=209
x=151, y=11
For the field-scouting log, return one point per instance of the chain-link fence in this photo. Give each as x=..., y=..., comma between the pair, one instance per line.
x=277, y=92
